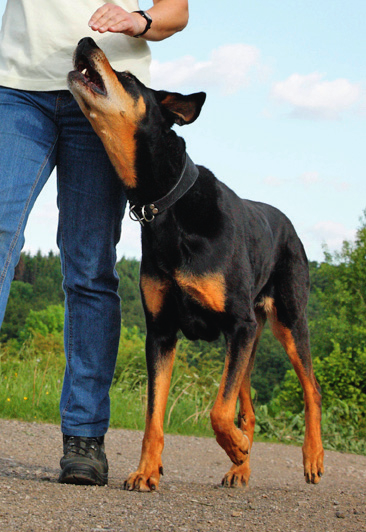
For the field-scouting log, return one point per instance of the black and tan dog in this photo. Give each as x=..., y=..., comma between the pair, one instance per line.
x=211, y=263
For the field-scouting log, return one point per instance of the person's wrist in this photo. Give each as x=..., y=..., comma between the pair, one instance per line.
x=144, y=21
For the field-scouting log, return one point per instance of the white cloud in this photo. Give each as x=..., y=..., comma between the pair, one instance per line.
x=324, y=233
x=333, y=234
x=307, y=179
x=229, y=68
x=273, y=181
x=311, y=95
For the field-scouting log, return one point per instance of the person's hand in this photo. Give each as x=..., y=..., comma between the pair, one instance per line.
x=113, y=18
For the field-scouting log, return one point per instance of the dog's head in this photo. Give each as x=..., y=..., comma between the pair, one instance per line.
x=121, y=109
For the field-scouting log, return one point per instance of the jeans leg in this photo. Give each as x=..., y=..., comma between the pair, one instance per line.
x=27, y=156
x=91, y=203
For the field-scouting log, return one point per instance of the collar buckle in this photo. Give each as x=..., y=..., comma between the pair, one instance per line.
x=147, y=214
x=186, y=180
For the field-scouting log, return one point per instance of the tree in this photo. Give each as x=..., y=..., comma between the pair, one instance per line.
x=47, y=321
x=132, y=313
x=19, y=304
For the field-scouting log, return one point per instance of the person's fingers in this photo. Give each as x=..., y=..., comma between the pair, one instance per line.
x=110, y=16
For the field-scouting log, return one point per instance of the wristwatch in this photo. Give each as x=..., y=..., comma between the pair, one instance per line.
x=148, y=21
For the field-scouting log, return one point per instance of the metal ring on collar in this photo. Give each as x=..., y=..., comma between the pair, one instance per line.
x=145, y=213
x=141, y=219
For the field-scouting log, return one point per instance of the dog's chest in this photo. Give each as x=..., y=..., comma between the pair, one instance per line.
x=196, y=321
x=196, y=303
x=200, y=304
x=207, y=290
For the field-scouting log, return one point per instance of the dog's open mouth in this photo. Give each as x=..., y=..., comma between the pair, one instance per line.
x=88, y=75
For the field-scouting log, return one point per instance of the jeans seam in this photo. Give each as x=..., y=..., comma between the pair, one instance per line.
x=70, y=337
x=18, y=231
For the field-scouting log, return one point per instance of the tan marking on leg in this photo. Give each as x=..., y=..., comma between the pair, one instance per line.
x=240, y=474
x=147, y=476
x=228, y=436
x=154, y=291
x=208, y=290
x=267, y=304
x=313, y=454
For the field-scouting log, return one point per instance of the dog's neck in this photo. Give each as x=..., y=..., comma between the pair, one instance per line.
x=158, y=168
x=147, y=213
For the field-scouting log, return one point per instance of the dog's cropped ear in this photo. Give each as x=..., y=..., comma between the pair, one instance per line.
x=184, y=109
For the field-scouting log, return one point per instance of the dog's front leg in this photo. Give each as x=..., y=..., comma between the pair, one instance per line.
x=234, y=441
x=240, y=474
x=159, y=358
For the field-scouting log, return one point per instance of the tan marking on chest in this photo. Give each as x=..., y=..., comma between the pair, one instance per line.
x=154, y=291
x=208, y=290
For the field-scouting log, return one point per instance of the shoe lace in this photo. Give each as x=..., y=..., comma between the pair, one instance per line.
x=81, y=446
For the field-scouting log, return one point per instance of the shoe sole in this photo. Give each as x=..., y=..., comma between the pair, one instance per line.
x=82, y=475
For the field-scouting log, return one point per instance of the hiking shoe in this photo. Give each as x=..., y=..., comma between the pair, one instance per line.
x=84, y=461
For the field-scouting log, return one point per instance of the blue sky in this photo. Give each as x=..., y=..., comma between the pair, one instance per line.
x=284, y=121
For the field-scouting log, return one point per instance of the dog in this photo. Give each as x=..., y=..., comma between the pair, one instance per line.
x=211, y=263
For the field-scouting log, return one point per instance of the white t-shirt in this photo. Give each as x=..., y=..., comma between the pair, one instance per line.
x=38, y=39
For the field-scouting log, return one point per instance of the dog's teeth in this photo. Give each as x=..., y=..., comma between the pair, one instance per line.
x=84, y=71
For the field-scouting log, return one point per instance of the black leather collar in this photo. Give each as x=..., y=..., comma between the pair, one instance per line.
x=147, y=213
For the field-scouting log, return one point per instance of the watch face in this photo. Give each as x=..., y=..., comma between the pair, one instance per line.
x=147, y=16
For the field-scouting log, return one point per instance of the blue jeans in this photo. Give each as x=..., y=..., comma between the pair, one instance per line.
x=38, y=131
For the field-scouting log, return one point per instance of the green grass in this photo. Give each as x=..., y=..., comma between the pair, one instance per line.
x=30, y=384
x=29, y=392
x=31, y=380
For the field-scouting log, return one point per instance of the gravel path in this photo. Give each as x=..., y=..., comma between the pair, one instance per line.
x=189, y=499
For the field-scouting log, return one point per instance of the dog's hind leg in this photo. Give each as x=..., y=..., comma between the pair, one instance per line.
x=293, y=333
x=239, y=350
x=159, y=357
x=246, y=418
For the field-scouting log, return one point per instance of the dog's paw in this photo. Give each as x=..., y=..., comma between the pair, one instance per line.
x=143, y=480
x=235, y=444
x=313, y=464
x=237, y=476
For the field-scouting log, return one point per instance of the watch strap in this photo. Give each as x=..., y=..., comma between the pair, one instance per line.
x=148, y=19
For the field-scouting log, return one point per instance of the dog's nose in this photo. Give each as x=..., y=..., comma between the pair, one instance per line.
x=87, y=41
